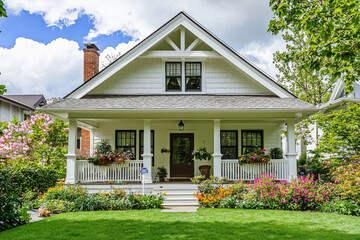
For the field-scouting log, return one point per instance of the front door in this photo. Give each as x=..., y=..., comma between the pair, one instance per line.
x=181, y=159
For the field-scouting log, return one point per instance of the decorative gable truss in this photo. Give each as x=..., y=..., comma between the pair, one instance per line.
x=181, y=38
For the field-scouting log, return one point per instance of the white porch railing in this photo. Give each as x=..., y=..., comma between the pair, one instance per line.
x=128, y=171
x=248, y=172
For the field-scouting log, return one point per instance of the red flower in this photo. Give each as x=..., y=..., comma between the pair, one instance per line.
x=103, y=157
x=263, y=150
x=95, y=152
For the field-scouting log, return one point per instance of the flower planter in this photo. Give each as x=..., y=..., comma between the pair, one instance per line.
x=119, y=160
x=205, y=170
x=102, y=162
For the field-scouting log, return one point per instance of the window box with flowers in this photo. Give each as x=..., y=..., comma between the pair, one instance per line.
x=256, y=157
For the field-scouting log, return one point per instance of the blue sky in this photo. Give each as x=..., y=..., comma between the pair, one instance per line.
x=41, y=41
x=33, y=26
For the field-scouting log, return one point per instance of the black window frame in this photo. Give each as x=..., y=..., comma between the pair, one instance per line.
x=166, y=76
x=152, y=147
x=193, y=90
x=118, y=146
x=237, y=142
x=251, y=131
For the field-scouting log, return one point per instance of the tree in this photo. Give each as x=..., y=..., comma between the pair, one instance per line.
x=341, y=130
x=2, y=14
x=331, y=35
x=308, y=85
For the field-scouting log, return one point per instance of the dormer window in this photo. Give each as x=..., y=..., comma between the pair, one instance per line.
x=176, y=78
x=173, y=76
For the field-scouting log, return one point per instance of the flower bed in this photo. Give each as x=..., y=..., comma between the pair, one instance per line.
x=302, y=194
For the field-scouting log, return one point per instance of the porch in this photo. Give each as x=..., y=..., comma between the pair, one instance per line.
x=155, y=135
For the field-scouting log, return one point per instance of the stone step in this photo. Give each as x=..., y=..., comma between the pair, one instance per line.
x=180, y=196
x=179, y=203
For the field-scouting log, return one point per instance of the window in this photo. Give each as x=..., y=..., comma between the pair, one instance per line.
x=193, y=76
x=251, y=139
x=229, y=144
x=173, y=76
x=126, y=141
x=141, y=137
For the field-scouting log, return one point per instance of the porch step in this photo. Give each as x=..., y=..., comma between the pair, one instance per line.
x=178, y=195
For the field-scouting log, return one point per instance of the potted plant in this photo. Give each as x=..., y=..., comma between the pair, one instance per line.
x=161, y=173
x=276, y=153
x=202, y=154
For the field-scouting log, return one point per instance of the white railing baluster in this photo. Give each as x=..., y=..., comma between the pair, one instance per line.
x=128, y=171
x=233, y=171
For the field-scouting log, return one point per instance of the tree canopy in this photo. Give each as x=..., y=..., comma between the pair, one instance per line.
x=331, y=35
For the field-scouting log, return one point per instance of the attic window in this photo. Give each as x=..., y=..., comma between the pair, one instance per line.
x=173, y=76
x=193, y=76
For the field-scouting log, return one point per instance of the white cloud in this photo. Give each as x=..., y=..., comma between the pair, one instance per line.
x=110, y=54
x=262, y=54
x=53, y=69
x=236, y=21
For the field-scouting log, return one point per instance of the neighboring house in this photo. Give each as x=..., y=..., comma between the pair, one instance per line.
x=19, y=106
x=180, y=74
x=337, y=98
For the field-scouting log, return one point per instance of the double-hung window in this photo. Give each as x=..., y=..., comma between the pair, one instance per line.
x=173, y=76
x=229, y=144
x=126, y=141
x=251, y=140
x=152, y=138
x=193, y=76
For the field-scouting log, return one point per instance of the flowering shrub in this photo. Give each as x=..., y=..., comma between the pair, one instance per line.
x=346, y=176
x=213, y=198
x=303, y=194
x=38, y=139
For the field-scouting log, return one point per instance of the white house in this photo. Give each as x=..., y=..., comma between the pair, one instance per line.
x=181, y=73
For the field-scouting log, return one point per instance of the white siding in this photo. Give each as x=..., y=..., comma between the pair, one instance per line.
x=5, y=112
x=143, y=76
x=222, y=77
x=203, y=136
x=147, y=76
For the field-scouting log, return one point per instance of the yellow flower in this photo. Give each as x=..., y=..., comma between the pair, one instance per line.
x=60, y=205
x=164, y=193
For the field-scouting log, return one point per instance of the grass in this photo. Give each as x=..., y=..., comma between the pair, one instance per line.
x=204, y=224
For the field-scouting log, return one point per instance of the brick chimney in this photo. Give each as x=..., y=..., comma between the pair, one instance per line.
x=91, y=68
x=91, y=61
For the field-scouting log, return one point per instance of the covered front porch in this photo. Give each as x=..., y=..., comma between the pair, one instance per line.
x=159, y=142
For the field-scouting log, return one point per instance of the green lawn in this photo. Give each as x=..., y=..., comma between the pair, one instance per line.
x=204, y=224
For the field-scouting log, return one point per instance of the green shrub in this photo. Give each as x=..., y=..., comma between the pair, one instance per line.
x=30, y=177
x=69, y=198
x=12, y=212
x=338, y=205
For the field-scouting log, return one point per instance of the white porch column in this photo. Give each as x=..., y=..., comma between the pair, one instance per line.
x=217, y=149
x=147, y=156
x=71, y=156
x=291, y=154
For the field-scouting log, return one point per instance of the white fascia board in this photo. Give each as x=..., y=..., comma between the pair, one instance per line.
x=337, y=90
x=118, y=65
x=222, y=50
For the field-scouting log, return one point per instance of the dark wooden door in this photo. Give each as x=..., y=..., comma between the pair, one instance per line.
x=181, y=159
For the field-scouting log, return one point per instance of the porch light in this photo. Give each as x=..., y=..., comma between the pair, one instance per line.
x=181, y=125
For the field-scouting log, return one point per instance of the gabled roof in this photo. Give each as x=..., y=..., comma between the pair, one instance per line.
x=16, y=103
x=34, y=100
x=202, y=33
